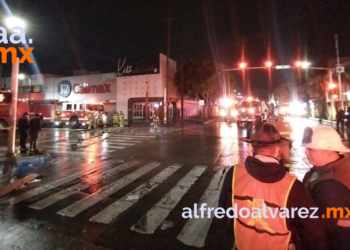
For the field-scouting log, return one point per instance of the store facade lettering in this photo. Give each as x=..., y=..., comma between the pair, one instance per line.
x=91, y=89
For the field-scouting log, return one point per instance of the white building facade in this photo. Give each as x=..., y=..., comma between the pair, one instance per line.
x=123, y=90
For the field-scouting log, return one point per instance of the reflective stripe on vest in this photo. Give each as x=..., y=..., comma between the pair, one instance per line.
x=248, y=193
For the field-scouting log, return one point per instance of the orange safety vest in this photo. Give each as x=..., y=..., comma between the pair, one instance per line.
x=248, y=193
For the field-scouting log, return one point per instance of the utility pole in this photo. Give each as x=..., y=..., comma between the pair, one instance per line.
x=13, y=109
x=146, y=102
x=339, y=74
x=166, y=91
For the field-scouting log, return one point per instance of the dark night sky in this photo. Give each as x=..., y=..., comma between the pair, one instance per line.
x=92, y=35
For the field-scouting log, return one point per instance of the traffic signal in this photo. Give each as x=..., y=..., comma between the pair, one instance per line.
x=5, y=97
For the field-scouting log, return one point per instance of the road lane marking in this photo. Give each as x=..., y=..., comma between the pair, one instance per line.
x=41, y=204
x=117, y=143
x=157, y=214
x=195, y=230
x=54, y=184
x=104, y=147
x=111, y=212
x=92, y=199
x=126, y=139
x=122, y=140
x=133, y=136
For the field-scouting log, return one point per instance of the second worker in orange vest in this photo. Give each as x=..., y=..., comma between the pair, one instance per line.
x=263, y=182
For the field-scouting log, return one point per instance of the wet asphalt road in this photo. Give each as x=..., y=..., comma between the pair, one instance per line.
x=114, y=190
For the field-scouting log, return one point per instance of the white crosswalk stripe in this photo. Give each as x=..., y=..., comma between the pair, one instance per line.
x=78, y=187
x=195, y=230
x=157, y=214
x=110, y=213
x=193, y=233
x=108, y=144
x=92, y=199
x=55, y=184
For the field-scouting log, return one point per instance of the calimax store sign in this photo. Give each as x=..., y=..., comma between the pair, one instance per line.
x=65, y=88
x=91, y=89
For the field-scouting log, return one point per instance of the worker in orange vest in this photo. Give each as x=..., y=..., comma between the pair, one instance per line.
x=262, y=184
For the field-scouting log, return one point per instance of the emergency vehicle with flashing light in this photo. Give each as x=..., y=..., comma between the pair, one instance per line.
x=75, y=114
x=45, y=109
x=248, y=109
x=5, y=108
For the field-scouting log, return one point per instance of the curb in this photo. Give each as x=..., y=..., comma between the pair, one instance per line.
x=23, y=165
x=327, y=122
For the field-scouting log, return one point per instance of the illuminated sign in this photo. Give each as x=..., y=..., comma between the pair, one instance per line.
x=91, y=89
x=138, y=66
x=282, y=67
x=64, y=88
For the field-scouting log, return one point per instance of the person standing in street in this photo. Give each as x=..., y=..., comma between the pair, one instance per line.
x=116, y=119
x=155, y=121
x=328, y=182
x=261, y=181
x=285, y=130
x=257, y=122
x=23, y=127
x=34, y=129
x=92, y=120
x=121, y=119
x=100, y=120
x=340, y=119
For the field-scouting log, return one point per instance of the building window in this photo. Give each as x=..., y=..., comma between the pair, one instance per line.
x=138, y=111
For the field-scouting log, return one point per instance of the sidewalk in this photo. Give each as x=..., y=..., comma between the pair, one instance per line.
x=326, y=122
x=21, y=165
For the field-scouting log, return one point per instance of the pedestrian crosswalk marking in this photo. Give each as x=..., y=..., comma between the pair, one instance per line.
x=78, y=187
x=108, y=143
x=124, y=139
x=193, y=233
x=132, y=136
x=110, y=213
x=55, y=184
x=105, y=144
x=92, y=199
x=104, y=147
x=195, y=230
x=85, y=150
x=157, y=214
x=84, y=154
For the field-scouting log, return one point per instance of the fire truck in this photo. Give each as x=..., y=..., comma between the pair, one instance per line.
x=75, y=114
x=5, y=107
x=248, y=109
x=45, y=109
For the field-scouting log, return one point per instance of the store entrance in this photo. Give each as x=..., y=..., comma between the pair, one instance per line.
x=139, y=110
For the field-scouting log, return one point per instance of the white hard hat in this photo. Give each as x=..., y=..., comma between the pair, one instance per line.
x=323, y=137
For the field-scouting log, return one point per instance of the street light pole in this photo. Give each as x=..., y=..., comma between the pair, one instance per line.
x=166, y=94
x=13, y=109
x=330, y=86
x=146, y=102
x=339, y=76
